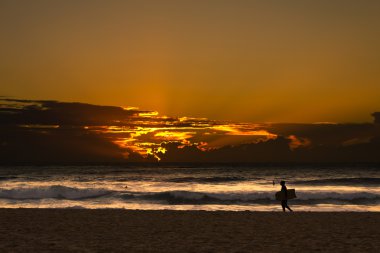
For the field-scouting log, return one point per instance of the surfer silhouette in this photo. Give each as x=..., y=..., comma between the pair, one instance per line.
x=284, y=202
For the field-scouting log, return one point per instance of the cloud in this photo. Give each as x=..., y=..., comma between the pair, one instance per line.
x=273, y=150
x=23, y=145
x=59, y=132
x=376, y=116
x=298, y=142
x=51, y=131
x=37, y=112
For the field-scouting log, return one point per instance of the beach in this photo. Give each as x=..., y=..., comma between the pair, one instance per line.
x=117, y=230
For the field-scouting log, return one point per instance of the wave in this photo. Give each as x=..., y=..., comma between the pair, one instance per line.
x=4, y=178
x=189, y=197
x=207, y=179
x=55, y=191
x=341, y=181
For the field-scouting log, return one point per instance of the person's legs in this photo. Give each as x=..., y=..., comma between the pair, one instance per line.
x=286, y=205
x=283, y=204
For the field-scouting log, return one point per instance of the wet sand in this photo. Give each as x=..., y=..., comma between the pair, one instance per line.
x=78, y=230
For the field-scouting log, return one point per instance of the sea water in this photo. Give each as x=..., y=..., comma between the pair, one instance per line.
x=190, y=188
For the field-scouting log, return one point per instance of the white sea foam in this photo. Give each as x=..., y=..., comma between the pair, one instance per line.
x=177, y=197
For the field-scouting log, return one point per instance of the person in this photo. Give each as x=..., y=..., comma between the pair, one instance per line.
x=284, y=202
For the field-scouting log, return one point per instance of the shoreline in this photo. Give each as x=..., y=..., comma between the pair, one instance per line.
x=268, y=164
x=271, y=209
x=119, y=230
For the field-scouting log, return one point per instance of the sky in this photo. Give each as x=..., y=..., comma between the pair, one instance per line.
x=244, y=61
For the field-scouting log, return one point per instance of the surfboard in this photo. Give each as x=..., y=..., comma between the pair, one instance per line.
x=290, y=192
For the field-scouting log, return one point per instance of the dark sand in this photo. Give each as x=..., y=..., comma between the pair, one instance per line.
x=75, y=230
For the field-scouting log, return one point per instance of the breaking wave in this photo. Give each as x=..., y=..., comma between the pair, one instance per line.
x=55, y=191
x=4, y=178
x=207, y=179
x=341, y=181
x=189, y=197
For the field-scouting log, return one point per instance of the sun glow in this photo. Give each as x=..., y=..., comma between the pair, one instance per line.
x=249, y=130
x=130, y=108
x=149, y=133
x=148, y=114
x=296, y=142
x=174, y=136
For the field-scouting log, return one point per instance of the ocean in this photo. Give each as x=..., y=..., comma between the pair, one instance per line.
x=227, y=188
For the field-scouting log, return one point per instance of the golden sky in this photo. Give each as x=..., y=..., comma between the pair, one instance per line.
x=250, y=61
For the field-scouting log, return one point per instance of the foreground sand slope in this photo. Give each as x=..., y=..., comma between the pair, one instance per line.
x=75, y=230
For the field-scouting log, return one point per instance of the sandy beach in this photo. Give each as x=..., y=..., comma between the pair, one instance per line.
x=77, y=230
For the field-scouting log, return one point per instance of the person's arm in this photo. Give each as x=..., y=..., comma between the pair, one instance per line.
x=286, y=192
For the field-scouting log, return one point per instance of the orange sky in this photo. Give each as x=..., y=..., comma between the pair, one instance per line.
x=251, y=61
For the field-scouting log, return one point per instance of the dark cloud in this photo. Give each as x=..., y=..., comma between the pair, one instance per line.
x=275, y=150
x=59, y=113
x=21, y=145
x=38, y=131
x=376, y=116
x=326, y=134
x=358, y=153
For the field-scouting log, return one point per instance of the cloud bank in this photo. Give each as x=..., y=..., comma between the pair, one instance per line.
x=41, y=131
